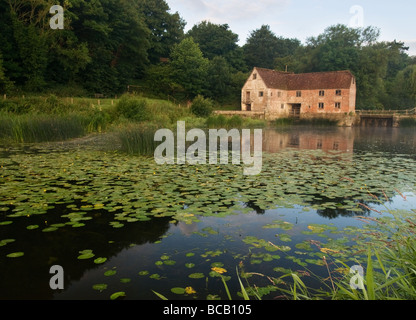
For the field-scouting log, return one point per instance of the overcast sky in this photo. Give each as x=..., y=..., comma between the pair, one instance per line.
x=304, y=18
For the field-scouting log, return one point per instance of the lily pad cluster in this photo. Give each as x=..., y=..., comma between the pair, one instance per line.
x=48, y=192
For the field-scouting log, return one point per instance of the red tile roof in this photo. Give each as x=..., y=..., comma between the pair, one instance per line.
x=305, y=81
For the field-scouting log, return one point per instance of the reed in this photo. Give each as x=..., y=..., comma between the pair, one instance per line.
x=30, y=128
x=137, y=139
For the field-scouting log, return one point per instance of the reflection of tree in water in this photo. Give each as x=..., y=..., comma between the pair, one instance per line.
x=30, y=280
x=252, y=205
x=364, y=205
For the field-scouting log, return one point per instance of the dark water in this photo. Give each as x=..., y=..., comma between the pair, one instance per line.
x=161, y=252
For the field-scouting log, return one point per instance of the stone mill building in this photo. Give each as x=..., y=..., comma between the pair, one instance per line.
x=308, y=95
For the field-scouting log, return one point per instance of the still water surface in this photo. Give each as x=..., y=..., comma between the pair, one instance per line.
x=159, y=228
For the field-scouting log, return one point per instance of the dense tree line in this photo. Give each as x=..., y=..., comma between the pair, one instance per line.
x=107, y=45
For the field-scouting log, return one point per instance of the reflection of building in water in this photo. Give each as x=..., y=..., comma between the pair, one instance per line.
x=341, y=139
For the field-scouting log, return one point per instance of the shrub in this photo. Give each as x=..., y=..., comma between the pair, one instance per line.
x=133, y=108
x=216, y=121
x=202, y=107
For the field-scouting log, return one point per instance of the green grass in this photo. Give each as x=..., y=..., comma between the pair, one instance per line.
x=237, y=122
x=42, y=119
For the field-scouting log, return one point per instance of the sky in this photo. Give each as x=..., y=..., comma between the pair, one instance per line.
x=302, y=19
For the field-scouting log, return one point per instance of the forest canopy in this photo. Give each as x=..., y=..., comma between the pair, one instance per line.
x=107, y=45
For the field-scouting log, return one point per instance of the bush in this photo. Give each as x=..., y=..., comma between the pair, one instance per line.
x=202, y=107
x=133, y=108
x=216, y=121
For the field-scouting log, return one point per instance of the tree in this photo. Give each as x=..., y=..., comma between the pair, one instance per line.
x=217, y=40
x=166, y=29
x=189, y=67
x=263, y=47
x=117, y=39
x=219, y=79
x=5, y=83
x=32, y=53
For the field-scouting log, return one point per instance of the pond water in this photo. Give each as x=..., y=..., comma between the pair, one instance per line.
x=121, y=223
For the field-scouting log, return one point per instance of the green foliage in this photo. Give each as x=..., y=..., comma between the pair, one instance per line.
x=263, y=47
x=202, y=107
x=166, y=28
x=189, y=67
x=39, y=128
x=133, y=108
x=109, y=44
x=138, y=139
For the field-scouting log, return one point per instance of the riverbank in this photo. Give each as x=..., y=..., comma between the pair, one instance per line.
x=133, y=118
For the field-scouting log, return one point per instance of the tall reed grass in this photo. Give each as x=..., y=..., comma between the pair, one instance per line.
x=137, y=139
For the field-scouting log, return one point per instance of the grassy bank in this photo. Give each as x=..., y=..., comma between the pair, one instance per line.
x=42, y=119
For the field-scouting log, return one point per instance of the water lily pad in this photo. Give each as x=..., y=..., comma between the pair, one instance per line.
x=117, y=295
x=110, y=273
x=15, y=254
x=178, y=290
x=100, y=260
x=85, y=254
x=100, y=286
x=6, y=241
x=196, y=275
